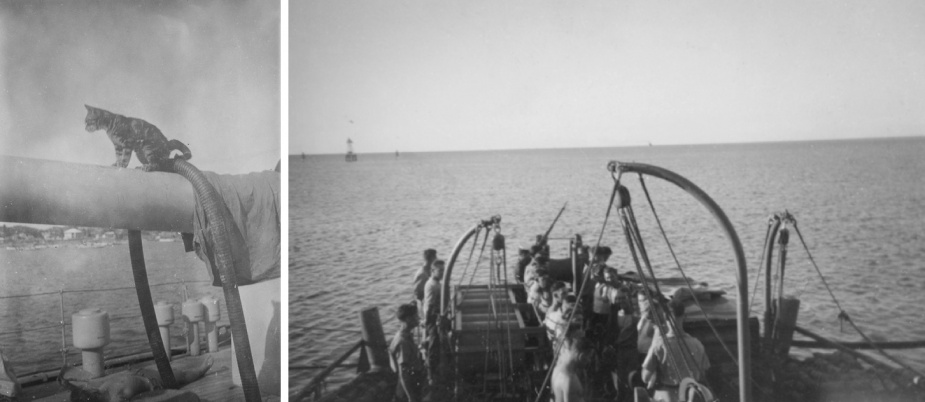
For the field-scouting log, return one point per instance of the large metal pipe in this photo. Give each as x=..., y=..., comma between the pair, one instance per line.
x=60, y=193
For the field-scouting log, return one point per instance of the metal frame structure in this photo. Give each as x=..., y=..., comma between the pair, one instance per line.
x=744, y=343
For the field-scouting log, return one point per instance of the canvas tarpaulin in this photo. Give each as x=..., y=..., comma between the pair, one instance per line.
x=253, y=204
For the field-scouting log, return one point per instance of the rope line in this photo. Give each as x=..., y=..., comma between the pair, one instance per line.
x=813, y=261
x=767, y=235
x=479, y=260
x=468, y=261
x=687, y=281
x=843, y=315
x=662, y=319
x=560, y=342
x=502, y=268
x=671, y=320
x=492, y=317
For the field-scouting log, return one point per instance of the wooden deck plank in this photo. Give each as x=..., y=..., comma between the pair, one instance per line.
x=216, y=385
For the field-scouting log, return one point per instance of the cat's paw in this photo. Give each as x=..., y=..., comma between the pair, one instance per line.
x=147, y=168
x=117, y=164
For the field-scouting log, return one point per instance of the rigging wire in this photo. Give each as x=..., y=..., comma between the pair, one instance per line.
x=469, y=260
x=843, y=315
x=662, y=320
x=767, y=235
x=681, y=270
x=687, y=282
x=494, y=320
x=502, y=267
x=559, y=343
x=486, y=338
x=479, y=260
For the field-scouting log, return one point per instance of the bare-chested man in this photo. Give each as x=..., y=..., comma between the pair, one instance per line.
x=405, y=359
x=566, y=381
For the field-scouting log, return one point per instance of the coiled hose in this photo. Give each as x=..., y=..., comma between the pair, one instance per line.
x=213, y=207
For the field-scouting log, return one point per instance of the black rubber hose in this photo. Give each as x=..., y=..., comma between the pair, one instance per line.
x=140, y=273
x=212, y=205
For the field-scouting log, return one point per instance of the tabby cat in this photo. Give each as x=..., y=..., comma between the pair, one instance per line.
x=129, y=134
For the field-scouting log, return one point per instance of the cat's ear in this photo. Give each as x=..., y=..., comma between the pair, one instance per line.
x=89, y=108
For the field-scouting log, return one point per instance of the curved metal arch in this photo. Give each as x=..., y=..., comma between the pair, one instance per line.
x=774, y=223
x=448, y=271
x=744, y=343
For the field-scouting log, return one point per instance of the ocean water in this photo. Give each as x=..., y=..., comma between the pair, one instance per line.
x=357, y=230
x=30, y=336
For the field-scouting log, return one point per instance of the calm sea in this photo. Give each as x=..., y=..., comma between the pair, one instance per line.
x=30, y=336
x=357, y=230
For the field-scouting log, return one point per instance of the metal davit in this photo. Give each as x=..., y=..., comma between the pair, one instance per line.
x=744, y=343
x=448, y=272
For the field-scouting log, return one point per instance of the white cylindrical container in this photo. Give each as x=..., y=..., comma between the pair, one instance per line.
x=164, y=314
x=194, y=312
x=90, y=328
x=213, y=314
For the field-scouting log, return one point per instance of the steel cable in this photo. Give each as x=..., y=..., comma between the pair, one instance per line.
x=687, y=281
x=559, y=342
x=843, y=315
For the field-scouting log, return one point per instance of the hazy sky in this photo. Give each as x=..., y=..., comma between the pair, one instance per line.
x=473, y=74
x=205, y=72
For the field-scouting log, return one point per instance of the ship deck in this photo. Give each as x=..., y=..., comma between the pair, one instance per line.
x=216, y=385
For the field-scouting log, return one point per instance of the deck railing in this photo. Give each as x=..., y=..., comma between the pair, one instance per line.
x=373, y=355
x=115, y=356
x=315, y=386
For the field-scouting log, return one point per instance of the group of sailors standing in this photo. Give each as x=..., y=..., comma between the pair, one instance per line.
x=415, y=371
x=601, y=338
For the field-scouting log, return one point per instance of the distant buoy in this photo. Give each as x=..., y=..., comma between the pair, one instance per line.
x=90, y=329
x=351, y=157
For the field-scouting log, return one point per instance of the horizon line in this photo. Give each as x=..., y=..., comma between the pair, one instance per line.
x=646, y=145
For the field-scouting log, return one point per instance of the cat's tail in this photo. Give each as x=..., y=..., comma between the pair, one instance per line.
x=179, y=146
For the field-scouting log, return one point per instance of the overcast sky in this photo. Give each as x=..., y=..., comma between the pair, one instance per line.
x=474, y=74
x=206, y=73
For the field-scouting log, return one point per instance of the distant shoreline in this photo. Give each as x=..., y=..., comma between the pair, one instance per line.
x=95, y=243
